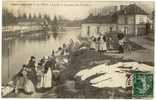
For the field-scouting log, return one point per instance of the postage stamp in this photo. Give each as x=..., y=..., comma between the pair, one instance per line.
x=142, y=84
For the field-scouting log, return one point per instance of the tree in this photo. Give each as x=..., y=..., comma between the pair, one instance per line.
x=55, y=24
x=47, y=18
x=19, y=16
x=7, y=17
x=39, y=16
x=29, y=17
x=34, y=17
x=24, y=16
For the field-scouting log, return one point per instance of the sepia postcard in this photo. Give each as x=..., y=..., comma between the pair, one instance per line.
x=92, y=49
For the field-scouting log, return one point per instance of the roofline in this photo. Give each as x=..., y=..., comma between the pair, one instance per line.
x=135, y=13
x=96, y=23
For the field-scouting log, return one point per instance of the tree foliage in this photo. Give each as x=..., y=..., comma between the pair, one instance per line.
x=8, y=18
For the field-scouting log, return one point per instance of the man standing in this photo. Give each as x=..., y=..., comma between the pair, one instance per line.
x=121, y=42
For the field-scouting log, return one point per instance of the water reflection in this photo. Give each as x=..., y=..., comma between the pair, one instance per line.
x=17, y=51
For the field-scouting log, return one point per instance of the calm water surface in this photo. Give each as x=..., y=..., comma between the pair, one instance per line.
x=16, y=52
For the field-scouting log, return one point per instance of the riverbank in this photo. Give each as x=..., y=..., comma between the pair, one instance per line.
x=87, y=60
x=18, y=50
x=71, y=87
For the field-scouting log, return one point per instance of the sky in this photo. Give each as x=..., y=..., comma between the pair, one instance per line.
x=70, y=9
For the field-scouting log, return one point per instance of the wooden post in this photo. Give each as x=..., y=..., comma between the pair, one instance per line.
x=8, y=62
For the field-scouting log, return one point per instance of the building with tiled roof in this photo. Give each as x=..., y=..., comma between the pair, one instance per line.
x=99, y=19
x=131, y=10
x=130, y=20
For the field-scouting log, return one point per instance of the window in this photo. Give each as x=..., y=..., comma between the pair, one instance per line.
x=126, y=20
x=141, y=20
x=111, y=29
x=98, y=29
x=88, y=30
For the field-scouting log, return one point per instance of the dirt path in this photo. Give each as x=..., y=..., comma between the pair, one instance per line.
x=142, y=41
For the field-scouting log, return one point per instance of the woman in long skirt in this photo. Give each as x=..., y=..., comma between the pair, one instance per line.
x=47, y=79
x=20, y=82
x=40, y=74
x=110, y=43
x=93, y=43
x=29, y=86
x=103, y=46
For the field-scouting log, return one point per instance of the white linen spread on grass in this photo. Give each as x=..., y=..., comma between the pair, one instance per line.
x=6, y=90
x=112, y=75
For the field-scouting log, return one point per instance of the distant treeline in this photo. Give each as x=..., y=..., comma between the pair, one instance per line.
x=8, y=18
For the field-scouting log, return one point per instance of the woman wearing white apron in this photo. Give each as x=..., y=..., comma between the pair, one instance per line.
x=40, y=75
x=100, y=44
x=104, y=44
x=47, y=78
x=93, y=43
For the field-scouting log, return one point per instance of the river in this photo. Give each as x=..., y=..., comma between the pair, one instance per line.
x=17, y=51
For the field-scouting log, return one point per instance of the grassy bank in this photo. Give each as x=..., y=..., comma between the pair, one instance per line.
x=87, y=59
x=83, y=59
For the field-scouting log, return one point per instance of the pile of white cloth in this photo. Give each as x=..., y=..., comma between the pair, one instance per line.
x=112, y=75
